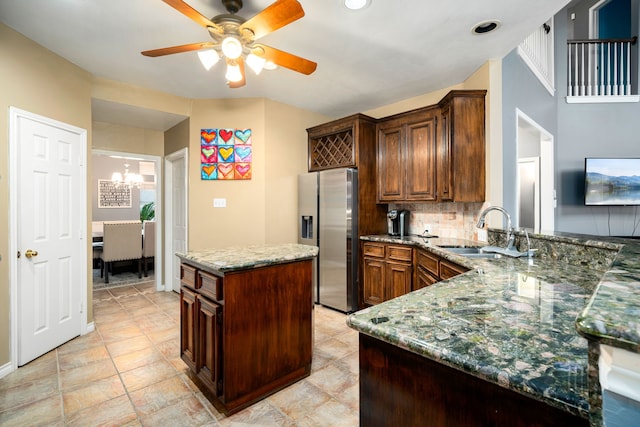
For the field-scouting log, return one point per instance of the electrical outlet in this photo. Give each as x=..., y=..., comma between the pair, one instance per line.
x=482, y=235
x=219, y=203
x=427, y=229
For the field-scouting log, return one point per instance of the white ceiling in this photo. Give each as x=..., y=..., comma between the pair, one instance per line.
x=391, y=50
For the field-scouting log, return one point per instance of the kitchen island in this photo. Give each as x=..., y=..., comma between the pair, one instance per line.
x=246, y=320
x=494, y=346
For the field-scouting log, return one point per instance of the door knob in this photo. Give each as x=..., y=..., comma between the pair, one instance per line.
x=29, y=253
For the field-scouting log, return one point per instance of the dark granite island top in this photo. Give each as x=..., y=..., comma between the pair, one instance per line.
x=507, y=321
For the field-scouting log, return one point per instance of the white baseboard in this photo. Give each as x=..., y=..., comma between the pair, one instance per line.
x=91, y=326
x=6, y=369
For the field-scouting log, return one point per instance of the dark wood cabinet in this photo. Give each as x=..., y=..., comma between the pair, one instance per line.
x=210, y=345
x=402, y=388
x=431, y=268
x=387, y=271
x=373, y=280
x=461, y=147
x=188, y=312
x=248, y=333
x=435, y=153
x=407, y=148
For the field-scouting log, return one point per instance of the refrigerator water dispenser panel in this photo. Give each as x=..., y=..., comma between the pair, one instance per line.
x=307, y=227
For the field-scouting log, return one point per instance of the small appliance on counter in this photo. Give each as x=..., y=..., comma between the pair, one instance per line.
x=398, y=221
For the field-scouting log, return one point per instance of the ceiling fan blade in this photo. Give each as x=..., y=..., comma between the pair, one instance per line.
x=286, y=60
x=277, y=15
x=235, y=85
x=193, y=14
x=178, y=49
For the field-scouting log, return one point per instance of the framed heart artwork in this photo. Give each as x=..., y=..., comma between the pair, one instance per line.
x=225, y=154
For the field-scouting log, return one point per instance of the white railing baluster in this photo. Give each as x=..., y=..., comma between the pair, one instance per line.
x=601, y=49
x=628, y=86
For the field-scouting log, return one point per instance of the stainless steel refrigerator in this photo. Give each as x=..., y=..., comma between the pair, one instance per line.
x=336, y=213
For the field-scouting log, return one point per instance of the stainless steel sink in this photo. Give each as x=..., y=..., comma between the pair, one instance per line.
x=471, y=252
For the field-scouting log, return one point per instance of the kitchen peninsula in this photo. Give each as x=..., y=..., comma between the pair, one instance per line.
x=246, y=320
x=496, y=345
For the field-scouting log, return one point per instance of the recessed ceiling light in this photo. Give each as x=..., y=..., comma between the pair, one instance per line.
x=356, y=4
x=486, y=26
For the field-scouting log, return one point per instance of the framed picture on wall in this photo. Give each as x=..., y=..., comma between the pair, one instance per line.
x=111, y=195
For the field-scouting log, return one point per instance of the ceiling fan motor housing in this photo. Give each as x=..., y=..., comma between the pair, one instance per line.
x=233, y=6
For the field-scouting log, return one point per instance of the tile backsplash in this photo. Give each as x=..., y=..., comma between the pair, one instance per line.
x=456, y=220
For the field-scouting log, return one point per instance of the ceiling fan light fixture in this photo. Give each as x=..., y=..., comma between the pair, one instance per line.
x=256, y=63
x=208, y=58
x=356, y=4
x=233, y=73
x=231, y=47
x=270, y=65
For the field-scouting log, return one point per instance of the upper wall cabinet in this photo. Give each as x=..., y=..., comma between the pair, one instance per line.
x=461, y=151
x=407, y=148
x=338, y=144
x=436, y=153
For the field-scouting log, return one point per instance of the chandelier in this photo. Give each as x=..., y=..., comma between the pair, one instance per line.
x=127, y=179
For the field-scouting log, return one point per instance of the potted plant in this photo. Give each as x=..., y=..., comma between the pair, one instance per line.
x=148, y=212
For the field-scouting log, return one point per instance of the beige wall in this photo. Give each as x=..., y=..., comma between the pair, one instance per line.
x=111, y=137
x=177, y=137
x=259, y=210
x=34, y=79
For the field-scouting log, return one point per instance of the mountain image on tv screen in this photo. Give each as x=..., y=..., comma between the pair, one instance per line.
x=612, y=181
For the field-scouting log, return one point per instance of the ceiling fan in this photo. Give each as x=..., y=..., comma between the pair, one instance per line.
x=234, y=38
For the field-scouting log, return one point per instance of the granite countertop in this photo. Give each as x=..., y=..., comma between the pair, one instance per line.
x=509, y=321
x=612, y=316
x=245, y=257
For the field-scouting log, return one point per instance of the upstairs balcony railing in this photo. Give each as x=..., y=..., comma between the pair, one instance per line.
x=600, y=68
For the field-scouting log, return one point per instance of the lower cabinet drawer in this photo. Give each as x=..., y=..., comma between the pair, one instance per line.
x=210, y=286
x=449, y=270
x=400, y=253
x=373, y=250
x=188, y=275
x=429, y=262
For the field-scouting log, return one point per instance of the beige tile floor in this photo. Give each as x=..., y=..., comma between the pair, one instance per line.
x=128, y=372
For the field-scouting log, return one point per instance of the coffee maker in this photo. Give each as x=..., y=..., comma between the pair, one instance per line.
x=398, y=222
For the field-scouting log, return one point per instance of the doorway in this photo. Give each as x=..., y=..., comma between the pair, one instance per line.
x=536, y=196
x=150, y=168
x=48, y=234
x=176, y=224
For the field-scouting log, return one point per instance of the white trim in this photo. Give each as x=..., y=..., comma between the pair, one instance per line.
x=14, y=115
x=168, y=166
x=548, y=85
x=547, y=180
x=158, y=258
x=602, y=99
x=620, y=371
x=594, y=23
x=6, y=369
x=91, y=326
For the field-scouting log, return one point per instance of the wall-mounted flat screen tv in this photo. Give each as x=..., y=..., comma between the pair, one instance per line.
x=611, y=182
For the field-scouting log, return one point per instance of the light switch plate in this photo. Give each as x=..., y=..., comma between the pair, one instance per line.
x=219, y=203
x=482, y=235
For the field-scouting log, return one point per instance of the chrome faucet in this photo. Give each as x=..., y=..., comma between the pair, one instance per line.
x=510, y=249
x=510, y=236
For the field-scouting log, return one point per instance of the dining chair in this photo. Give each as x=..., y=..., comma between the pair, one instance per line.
x=148, y=244
x=122, y=241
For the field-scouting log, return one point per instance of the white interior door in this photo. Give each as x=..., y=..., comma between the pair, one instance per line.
x=176, y=186
x=51, y=223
